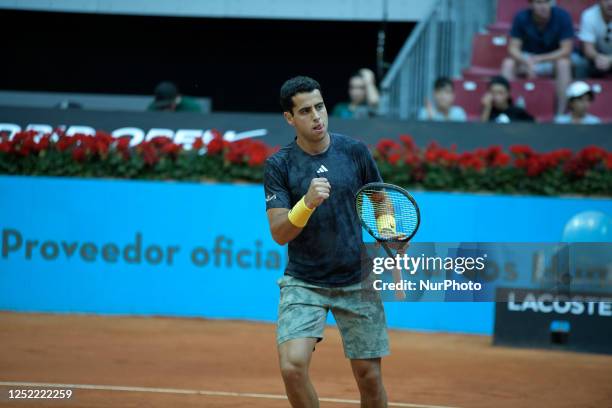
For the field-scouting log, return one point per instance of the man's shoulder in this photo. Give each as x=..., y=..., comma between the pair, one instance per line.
x=561, y=15
x=348, y=143
x=523, y=16
x=280, y=157
x=591, y=14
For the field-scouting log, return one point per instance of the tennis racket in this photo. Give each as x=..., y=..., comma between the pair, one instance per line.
x=376, y=200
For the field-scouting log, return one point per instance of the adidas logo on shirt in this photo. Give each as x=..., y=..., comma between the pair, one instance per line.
x=322, y=169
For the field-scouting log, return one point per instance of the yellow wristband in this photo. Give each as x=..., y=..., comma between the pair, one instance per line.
x=300, y=213
x=386, y=224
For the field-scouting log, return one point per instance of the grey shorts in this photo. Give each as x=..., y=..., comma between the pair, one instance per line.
x=359, y=314
x=545, y=69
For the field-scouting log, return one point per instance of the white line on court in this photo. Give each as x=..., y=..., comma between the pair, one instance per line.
x=195, y=392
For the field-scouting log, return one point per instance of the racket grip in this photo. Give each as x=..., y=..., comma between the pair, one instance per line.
x=397, y=274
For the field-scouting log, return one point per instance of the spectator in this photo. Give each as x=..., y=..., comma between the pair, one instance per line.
x=596, y=36
x=442, y=109
x=579, y=98
x=363, y=96
x=168, y=98
x=498, y=106
x=541, y=45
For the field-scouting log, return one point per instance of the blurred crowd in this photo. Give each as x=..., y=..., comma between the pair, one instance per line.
x=542, y=44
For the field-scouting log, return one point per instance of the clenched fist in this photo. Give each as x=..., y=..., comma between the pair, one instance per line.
x=318, y=192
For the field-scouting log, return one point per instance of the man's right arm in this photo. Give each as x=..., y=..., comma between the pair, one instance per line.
x=514, y=50
x=283, y=224
x=281, y=228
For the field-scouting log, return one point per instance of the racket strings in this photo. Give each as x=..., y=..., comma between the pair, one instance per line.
x=377, y=202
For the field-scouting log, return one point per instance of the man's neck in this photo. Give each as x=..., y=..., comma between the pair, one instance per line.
x=540, y=21
x=313, y=148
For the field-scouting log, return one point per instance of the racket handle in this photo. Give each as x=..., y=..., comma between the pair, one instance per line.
x=397, y=274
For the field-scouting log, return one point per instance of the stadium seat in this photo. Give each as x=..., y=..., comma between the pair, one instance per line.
x=488, y=52
x=575, y=8
x=602, y=105
x=538, y=96
x=506, y=10
x=468, y=94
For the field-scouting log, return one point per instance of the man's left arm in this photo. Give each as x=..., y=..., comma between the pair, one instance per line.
x=384, y=212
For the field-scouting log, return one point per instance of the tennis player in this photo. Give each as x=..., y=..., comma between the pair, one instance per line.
x=310, y=188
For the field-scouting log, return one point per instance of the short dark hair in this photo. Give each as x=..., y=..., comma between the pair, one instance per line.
x=499, y=80
x=443, y=82
x=295, y=86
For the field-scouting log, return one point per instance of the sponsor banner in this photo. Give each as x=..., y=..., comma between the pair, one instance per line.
x=204, y=249
x=183, y=127
x=579, y=321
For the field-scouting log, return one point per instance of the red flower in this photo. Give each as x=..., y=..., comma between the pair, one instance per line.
x=521, y=150
x=198, y=144
x=160, y=141
x=64, y=143
x=171, y=148
x=43, y=143
x=215, y=146
x=79, y=154
x=5, y=146
x=101, y=147
x=501, y=160
x=408, y=142
x=385, y=147
x=149, y=154
x=123, y=143
x=394, y=158
x=257, y=157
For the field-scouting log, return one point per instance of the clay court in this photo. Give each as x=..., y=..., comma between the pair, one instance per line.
x=163, y=362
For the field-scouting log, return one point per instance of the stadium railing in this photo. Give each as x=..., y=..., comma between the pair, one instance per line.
x=440, y=45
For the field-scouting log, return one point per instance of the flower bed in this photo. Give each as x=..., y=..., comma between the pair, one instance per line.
x=519, y=170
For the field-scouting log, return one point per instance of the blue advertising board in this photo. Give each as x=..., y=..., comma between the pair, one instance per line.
x=205, y=250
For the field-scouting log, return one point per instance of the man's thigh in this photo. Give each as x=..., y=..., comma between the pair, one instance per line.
x=302, y=311
x=360, y=317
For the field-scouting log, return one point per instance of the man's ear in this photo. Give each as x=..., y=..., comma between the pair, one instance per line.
x=289, y=118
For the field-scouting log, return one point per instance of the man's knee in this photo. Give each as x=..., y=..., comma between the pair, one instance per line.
x=294, y=371
x=369, y=380
x=294, y=359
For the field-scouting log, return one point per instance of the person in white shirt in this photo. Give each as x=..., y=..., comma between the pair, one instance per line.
x=579, y=98
x=442, y=109
x=596, y=36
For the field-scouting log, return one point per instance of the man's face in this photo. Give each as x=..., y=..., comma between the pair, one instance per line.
x=444, y=97
x=541, y=8
x=357, y=90
x=308, y=116
x=606, y=7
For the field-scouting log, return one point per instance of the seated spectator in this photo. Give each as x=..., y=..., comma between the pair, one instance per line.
x=363, y=96
x=442, y=109
x=168, y=98
x=596, y=36
x=541, y=45
x=579, y=98
x=497, y=105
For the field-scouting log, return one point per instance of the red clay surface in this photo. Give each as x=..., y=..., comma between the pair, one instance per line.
x=196, y=354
